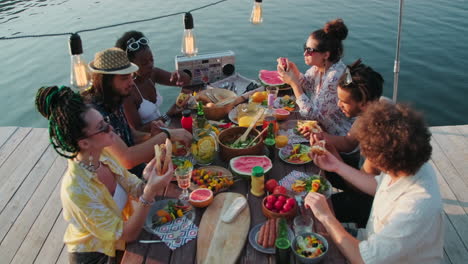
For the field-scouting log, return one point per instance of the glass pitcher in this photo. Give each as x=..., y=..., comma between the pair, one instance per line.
x=204, y=145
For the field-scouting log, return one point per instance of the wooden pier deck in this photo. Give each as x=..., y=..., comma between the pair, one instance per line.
x=32, y=227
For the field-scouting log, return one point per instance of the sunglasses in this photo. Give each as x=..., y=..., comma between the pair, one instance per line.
x=309, y=51
x=134, y=45
x=106, y=128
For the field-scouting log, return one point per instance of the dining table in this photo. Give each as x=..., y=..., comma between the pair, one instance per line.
x=151, y=253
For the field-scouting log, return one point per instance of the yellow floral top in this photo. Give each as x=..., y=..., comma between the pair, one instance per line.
x=95, y=220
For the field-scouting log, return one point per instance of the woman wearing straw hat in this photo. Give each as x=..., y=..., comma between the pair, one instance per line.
x=95, y=190
x=112, y=83
x=142, y=105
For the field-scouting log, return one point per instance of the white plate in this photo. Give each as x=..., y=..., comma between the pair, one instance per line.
x=253, y=237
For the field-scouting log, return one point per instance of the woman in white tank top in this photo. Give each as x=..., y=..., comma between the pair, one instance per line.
x=142, y=105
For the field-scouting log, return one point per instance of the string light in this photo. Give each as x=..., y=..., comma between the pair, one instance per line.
x=256, y=17
x=79, y=73
x=189, y=47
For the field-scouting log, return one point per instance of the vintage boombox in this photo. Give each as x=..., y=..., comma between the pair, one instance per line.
x=207, y=68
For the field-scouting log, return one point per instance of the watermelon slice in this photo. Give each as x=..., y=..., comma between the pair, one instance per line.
x=243, y=165
x=270, y=78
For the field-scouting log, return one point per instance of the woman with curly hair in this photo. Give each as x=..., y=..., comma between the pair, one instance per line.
x=142, y=106
x=406, y=221
x=96, y=189
x=315, y=91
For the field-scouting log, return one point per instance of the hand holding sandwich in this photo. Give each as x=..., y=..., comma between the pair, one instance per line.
x=156, y=182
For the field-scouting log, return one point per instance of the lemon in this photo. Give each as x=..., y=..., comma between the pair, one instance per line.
x=206, y=146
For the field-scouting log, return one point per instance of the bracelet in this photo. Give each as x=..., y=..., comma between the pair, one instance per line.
x=146, y=203
x=166, y=131
x=165, y=117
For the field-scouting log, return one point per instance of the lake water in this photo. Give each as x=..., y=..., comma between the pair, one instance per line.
x=433, y=48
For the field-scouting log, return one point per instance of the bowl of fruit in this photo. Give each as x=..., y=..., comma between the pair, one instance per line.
x=279, y=205
x=309, y=247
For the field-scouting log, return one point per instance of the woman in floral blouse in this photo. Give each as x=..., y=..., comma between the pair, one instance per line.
x=316, y=90
x=96, y=188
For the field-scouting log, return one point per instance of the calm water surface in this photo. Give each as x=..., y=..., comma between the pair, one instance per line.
x=433, y=49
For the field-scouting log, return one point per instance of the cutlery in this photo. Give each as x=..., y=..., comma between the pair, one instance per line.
x=253, y=140
x=254, y=122
x=150, y=241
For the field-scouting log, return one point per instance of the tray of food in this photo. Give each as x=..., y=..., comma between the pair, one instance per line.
x=215, y=178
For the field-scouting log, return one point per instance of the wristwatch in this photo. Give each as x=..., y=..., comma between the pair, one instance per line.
x=166, y=131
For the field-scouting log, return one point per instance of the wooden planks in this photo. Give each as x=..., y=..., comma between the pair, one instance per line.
x=38, y=207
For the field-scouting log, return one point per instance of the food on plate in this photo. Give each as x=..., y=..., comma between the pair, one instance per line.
x=181, y=99
x=314, y=183
x=286, y=102
x=280, y=190
x=163, y=155
x=309, y=126
x=171, y=211
x=309, y=246
x=318, y=148
x=271, y=78
x=268, y=232
x=243, y=165
x=299, y=154
x=201, y=197
x=270, y=185
x=210, y=179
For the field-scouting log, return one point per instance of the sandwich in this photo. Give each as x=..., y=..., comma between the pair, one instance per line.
x=309, y=126
x=318, y=148
x=163, y=155
x=181, y=99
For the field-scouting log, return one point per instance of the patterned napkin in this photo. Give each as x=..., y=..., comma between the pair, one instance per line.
x=291, y=178
x=293, y=138
x=177, y=233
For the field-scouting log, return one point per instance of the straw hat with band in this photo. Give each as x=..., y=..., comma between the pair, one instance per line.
x=112, y=61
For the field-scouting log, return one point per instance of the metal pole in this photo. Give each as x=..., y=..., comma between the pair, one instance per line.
x=396, y=66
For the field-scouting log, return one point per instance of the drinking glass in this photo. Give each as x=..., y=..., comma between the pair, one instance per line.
x=302, y=224
x=183, y=176
x=272, y=90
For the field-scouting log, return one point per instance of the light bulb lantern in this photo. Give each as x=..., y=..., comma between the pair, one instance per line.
x=189, y=47
x=257, y=13
x=79, y=73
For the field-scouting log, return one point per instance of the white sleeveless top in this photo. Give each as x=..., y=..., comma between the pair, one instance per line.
x=120, y=196
x=148, y=110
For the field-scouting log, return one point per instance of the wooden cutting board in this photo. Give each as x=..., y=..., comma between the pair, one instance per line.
x=219, y=242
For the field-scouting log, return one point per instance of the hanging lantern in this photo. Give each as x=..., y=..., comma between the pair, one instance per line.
x=79, y=74
x=256, y=17
x=189, y=47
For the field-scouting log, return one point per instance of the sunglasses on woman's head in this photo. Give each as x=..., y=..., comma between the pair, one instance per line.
x=309, y=51
x=134, y=45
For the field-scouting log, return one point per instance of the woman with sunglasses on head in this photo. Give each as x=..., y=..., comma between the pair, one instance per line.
x=315, y=90
x=96, y=189
x=142, y=106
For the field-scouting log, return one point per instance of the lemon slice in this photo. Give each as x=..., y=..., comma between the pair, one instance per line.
x=206, y=145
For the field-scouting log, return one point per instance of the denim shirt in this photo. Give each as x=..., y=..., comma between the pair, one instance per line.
x=118, y=121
